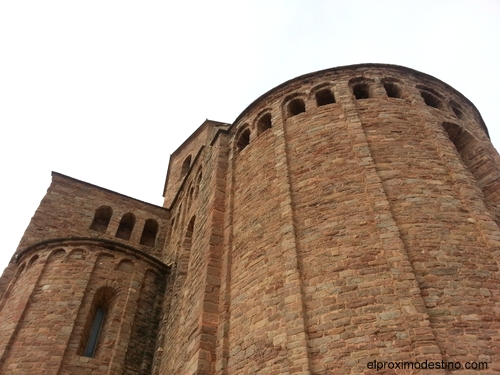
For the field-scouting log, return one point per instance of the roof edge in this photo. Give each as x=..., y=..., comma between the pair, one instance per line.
x=63, y=176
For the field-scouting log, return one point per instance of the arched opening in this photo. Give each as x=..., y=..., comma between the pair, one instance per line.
x=324, y=97
x=98, y=322
x=148, y=237
x=457, y=110
x=189, y=196
x=198, y=182
x=295, y=107
x=392, y=89
x=431, y=100
x=264, y=123
x=101, y=220
x=126, y=226
x=478, y=163
x=186, y=164
x=361, y=90
x=460, y=138
x=191, y=193
x=186, y=251
x=243, y=140
x=33, y=260
x=99, y=316
x=179, y=217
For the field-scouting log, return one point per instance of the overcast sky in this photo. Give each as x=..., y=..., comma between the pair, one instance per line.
x=104, y=91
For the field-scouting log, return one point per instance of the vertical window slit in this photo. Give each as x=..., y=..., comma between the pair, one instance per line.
x=94, y=332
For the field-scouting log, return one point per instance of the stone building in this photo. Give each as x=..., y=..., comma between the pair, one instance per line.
x=347, y=216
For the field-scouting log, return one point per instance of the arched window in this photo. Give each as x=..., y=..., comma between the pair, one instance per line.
x=101, y=220
x=186, y=250
x=186, y=164
x=190, y=194
x=126, y=226
x=99, y=316
x=295, y=107
x=457, y=110
x=148, y=237
x=324, y=97
x=392, y=90
x=474, y=158
x=198, y=183
x=179, y=217
x=361, y=90
x=264, y=123
x=97, y=321
x=243, y=140
x=431, y=100
x=431, y=97
x=460, y=138
x=33, y=260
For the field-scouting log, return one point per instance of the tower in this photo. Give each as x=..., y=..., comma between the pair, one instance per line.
x=346, y=216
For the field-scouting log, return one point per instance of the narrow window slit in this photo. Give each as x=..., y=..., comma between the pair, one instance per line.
x=94, y=333
x=186, y=164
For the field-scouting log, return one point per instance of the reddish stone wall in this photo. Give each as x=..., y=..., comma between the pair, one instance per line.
x=436, y=203
x=258, y=324
x=178, y=166
x=63, y=259
x=68, y=210
x=48, y=310
x=194, y=248
x=347, y=216
x=383, y=228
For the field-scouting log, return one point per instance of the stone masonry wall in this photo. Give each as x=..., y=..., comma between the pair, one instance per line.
x=48, y=310
x=66, y=267
x=183, y=158
x=346, y=216
x=69, y=207
x=194, y=249
x=373, y=206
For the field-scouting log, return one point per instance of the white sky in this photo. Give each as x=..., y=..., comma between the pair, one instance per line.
x=104, y=91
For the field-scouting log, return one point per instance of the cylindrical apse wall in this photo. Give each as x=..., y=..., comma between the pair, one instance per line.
x=364, y=208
